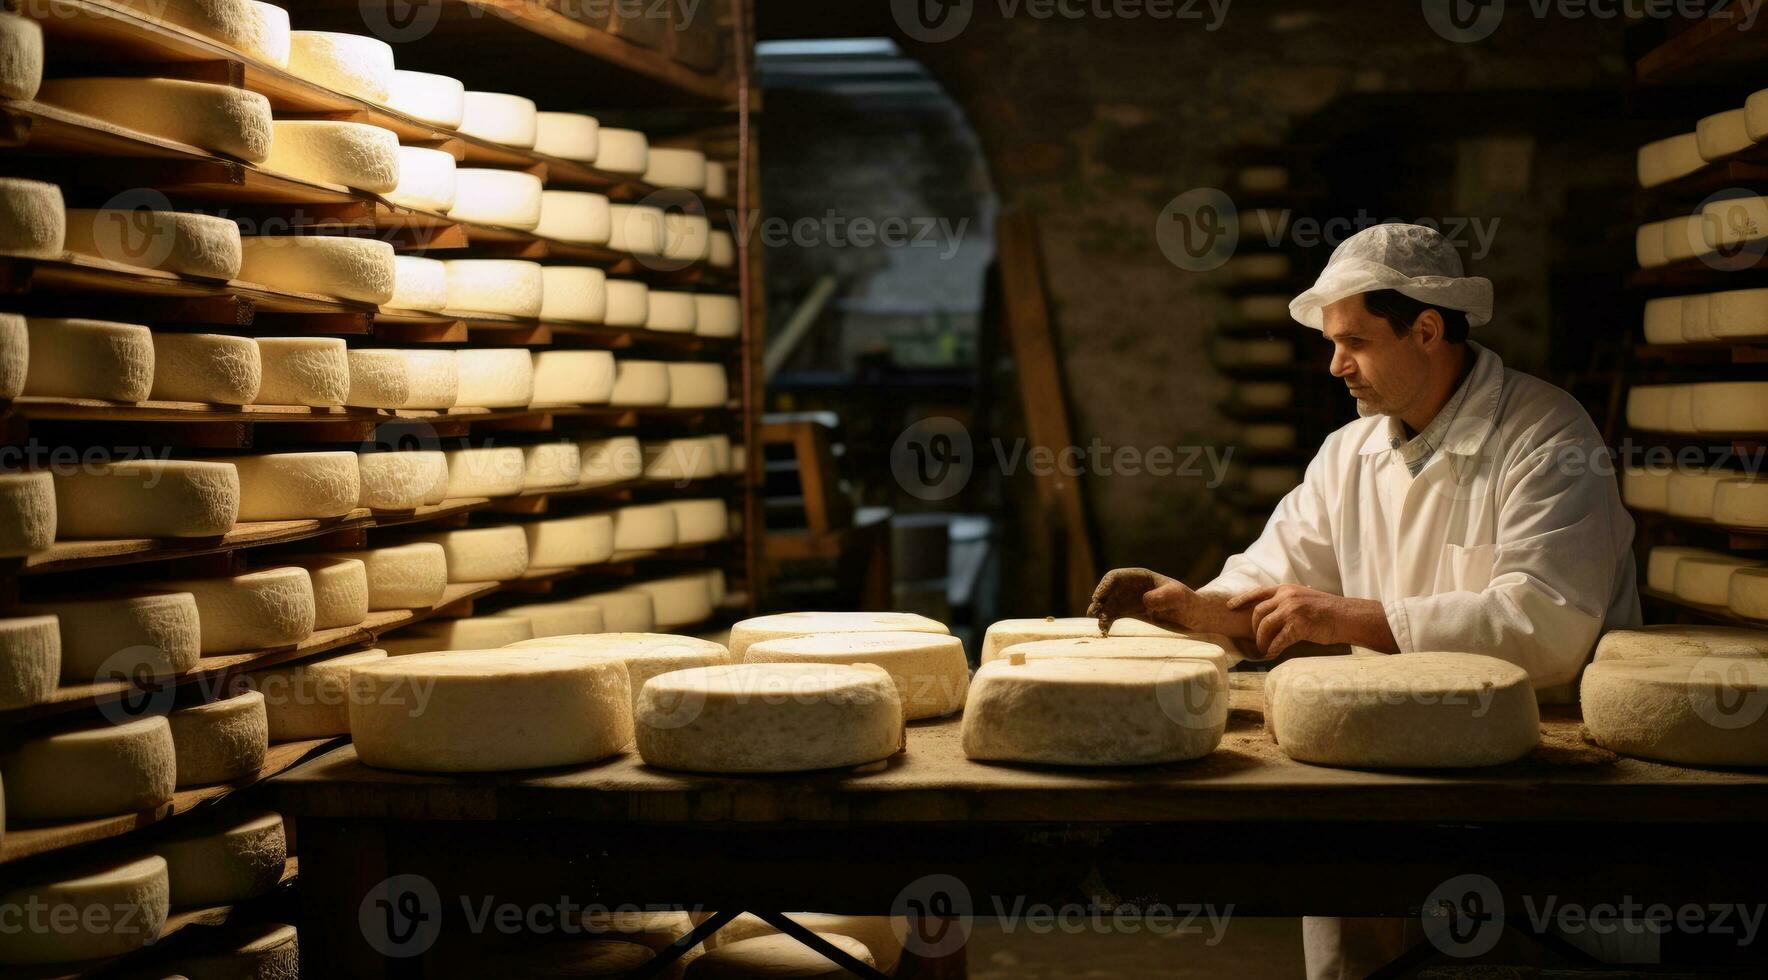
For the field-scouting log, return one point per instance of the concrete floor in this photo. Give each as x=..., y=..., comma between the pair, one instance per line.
x=1248, y=949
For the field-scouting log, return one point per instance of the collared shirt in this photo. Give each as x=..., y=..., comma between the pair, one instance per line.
x=1417, y=450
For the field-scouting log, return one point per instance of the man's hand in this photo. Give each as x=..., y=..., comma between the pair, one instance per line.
x=1139, y=594
x=1284, y=615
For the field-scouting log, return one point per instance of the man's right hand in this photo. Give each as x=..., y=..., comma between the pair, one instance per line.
x=1141, y=594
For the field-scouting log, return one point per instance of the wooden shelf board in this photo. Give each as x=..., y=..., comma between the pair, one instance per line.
x=1716, y=613
x=1743, y=351
x=1718, y=44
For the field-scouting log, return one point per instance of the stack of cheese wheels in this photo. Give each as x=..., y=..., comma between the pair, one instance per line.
x=621, y=151
x=1662, y=161
x=1646, y=487
x=30, y=660
x=347, y=63
x=689, y=237
x=1660, y=408
x=426, y=180
x=88, y=359
x=406, y=576
x=357, y=269
x=1094, y=712
x=220, y=741
x=554, y=619
x=550, y=464
x=436, y=99
x=1706, y=579
x=402, y=480
x=573, y=377
x=930, y=670
x=1737, y=313
x=1689, y=492
x=27, y=513
x=646, y=655
x=1697, y=710
x=259, y=952
x=487, y=471
x=577, y=294
x=419, y=284
x=98, y=771
x=700, y=521
x=779, y=626
x=678, y=600
x=508, y=198
x=639, y=383
x=717, y=315
x=350, y=154
x=567, y=135
x=205, y=367
x=268, y=37
x=21, y=57
x=628, y=303
x=490, y=710
x=1125, y=648
x=397, y=378
x=613, y=460
x=882, y=935
x=297, y=486
x=208, y=116
x=1661, y=562
x=484, y=554
x=499, y=287
x=147, y=498
x=691, y=458
x=1423, y=710
x=778, y=956
x=1648, y=642
x=668, y=311
x=494, y=377
x=223, y=862
x=642, y=528
x=312, y=699
x=125, y=636
x=769, y=718
x=258, y=610
x=1749, y=593
x=465, y=633
x=313, y=371
x=697, y=384
x=197, y=245
x=90, y=913
x=340, y=590
x=567, y=542
x=1741, y=502
x=1729, y=406
x=622, y=612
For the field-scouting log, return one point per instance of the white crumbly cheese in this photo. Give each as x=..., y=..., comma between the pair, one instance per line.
x=1646, y=489
x=313, y=371
x=406, y=576
x=1094, y=712
x=644, y=527
x=670, y=312
x=637, y=229
x=21, y=57
x=1706, y=579
x=466, y=633
x=267, y=35
x=419, y=284
x=575, y=216
x=1662, y=161
x=717, y=315
x=700, y=521
x=508, y=198
x=573, y=377
x=688, y=237
x=205, y=367
x=402, y=378
x=399, y=480
x=98, y=771
x=1663, y=320
x=1648, y=245
x=359, y=269
x=501, y=287
x=426, y=180
x=1738, y=313
x=27, y=513
x=30, y=659
x=676, y=167
x=554, y=619
x=1012, y=632
x=484, y=554
x=322, y=151
x=312, y=699
x=1730, y=406
x=628, y=303
x=491, y=710
x=1685, y=238
x=225, y=863
x=1411, y=710
x=621, y=151
x=778, y=957
x=340, y=591
x=718, y=181
x=1689, y=493
x=202, y=114
x=89, y=912
x=197, y=245
x=622, y=612
x=495, y=377
x=639, y=383
x=296, y=486
x=15, y=355
x=1741, y=503
x=436, y=99
x=679, y=600
x=259, y=610
x=1661, y=562
x=722, y=253
x=779, y=626
x=567, y=135
x=266, y=951
x=489, y=471
x=147, y=498
x=220, y=741
x=550, y=464
x=697, y=384
x=1697, y=318
x=1722, y=134
x=1645, y=642
x=1749, y=593
x=72, y=358
x=1701, y=711
x=126, y=636
x=348, y=63
x=613, y=460
x=499, y=118
x=646, y=655
x=576, y=294
x=930, y=670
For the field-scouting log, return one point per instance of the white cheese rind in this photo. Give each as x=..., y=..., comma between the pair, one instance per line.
x=117, y=637
x=679, y=600
x=340, y=591
x=645, y=654
x=1662, y=161
x=436, y=99
x=500, y=118
x=622, y=612
x=208, y=116
x=21, y=57
x=296, y=486
x=667, y=311
x=621, y=151
x=73, y=358
x=148, y=498
x=722, y=252
x=1738, y=313
x=493, y=471
x=312, y=371
x=1646, y=489
x=1094, y=712
x=1722, y=134
x=359, y=269
x=607, y=461
x=197, y=245
x=691, y=458
x=114, y=769
x=701, y=521
x=407, y=576
x=779, y=957
x=501, y=287
x=554, y=619
x=1730, y=406
x=573, y=377
x=1741, y=503
x=1661, y=562
x=484, y=554
x=205, y=367
x=348, y=63
x=1706, y=579
x=567, y=135
x=494, y=377
x=225, y=863
x=27, y=513
x=697, y=384
x=510, y=198
x=1647, y=642
x=688, y=236
x=323, y=151
x=1663, y=320
x=639, y=383
x=1702, y=711
x=575, y=294
x=312, y=699
x=930, y=670
x=676, y=167
x=15, y=354
x=267, y=951
x=579, y=217
x=637, y=229
x=549, y=464
x=419, y=284
x=221, y=741
x=1648, y=245
x=268, y=36
x=1689, y=493
x=92, y=913
x=400, y=378
x=258, y=610
x=628, y=303
x=717, y=316
x=30, y=659
x=465, y=633
x=1749, y=593
x=718, y=181
x=426, y=180
x=399, y=480
x=779, y=626
x=882, y=935
x=644, y=527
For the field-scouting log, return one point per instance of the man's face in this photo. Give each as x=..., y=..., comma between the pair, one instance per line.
x=1385, y=374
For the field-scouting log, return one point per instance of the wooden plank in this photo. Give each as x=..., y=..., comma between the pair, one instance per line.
x=1730, y=39
x=533, y=16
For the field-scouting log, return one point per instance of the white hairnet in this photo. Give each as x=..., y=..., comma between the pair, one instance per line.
x=1411, y=259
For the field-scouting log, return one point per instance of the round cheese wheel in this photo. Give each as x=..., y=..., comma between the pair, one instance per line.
x=565, y=542
x=312, y=371
x=1661, y=562
x=340, y=591
x=676, y=167
x=321, y=151
x=576, y=294
x=567, y=135
x=398, y=480
x=258, y=610
x=399, y=378
x=220, y=741
x=268, y=37
x=930, y=670
x=1648, y=245
x=622, y=612
x=1730, y=406
x=549, y=464
x=697, y=384
x=639, y=383
x=718, y=181
x=495, y=377
x=509, y=198
x=147, y=498
x=230, y=862
x=717, y=316
x=574, y=216
x=1685, y=237
x=1012, y=632
x=637, y=229
x=1749, y=593
x=296, y=486
x=100, y=771
x=646, y=655
x=30, y=659
x=1094, y=712
x=621, y=151
x=688, y=237
x=692, y=458
x=312, y=699
x=1268, y=436
x=779, y=626
x=1722, y=134
x=490, y=471
x=426, y=180
x=722, y=251
x=553, y=619
x=1646, y=489
x=435, y=99
x=267, y=951
x=680, y=600
x=21, y=57
x=406, y=576
x=419, y=284
x=499, y=118
x=1663, y=320
x=484, y=554
x=202, y=114
x=87, y=913
x=197, y=245
x=644, y=527
x=1738, y=313
x=359, y=269
x=670, y=312
x=1665, y=160
x=776, y=956
x=89, y=359
x=466, y=633
x=1125, y=648
x=1706, y=579
x=348, y=63
x=628, y=303
x=205, y=367
x=700, y=521
x=607, y=461
x=769, y=718
x=125, y=637
x=1411, y=710
x=501, y=287
x=1648, y=406
x=573, y=377
x=490, y=710
x=1645, y=642
x=27, y=513
x=1741, y=503
x=1264, y=394
x=15, y=354
x=880, y=934
x=1705, y=711
x=1689, y=493
x=1697, y=318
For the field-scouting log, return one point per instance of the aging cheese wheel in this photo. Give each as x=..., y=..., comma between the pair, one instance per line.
x=1706, y=579
x=407, y=576
x=220, y=864
x=510, y=198
x=205, y=367
x=1665, y=160
x=1648, y=245
x=296, y=486
x=490, y=471
x=15, y=354
x=688, y=237
x=1660, y=565
x=692, y=458
x=1686, y=237
x=628, y=303
x=466, y=633
x=359, y=269
x=398, y=378
x=27, y=513
x=717, y=316
x=776, y=956
x=197, y=245
x=670, y=312
x=1741, y=503
x=880, y=934
x=769, y=718
x=499, y=118
x=621, y=151
x=348, y=63
x=30, y=659
x=576, y=294
x=697, y=384
x=88, y=913
x=98, y=771
x=220, y=741
x=1646, y=642
x=1663, y=320
x=779, y=626
x=311, y=371
x=622, y=612
x=639, y=383
x=718, y=181
x=426, y=180
x=1722, y=134
x=419, y=284
x=1125, y=648
x=1264, y=394
x=679, y=600
x=1411, y=710
x=676, y=167
x=608, y=461
x=1738, y=313
x=147, y=498
x=268, y=36
x=340, y=591
x=646, y=655
x=1697, y=318
x=435, y=99
x=1689, y=493
x=1094, y=712
x=930, y=670
x=1730, y=406
x=495, y=377
x=349, y=154
x=1705, y=711
x=1646, y=489
x=645, y=527
x=565, y=542
x=312, y=699
x=574, y=216
x=573, y=377
x=265, y=951
x=554, y=619
x=701, y=521
x=484, y=554
x=211, y=117
x=637, y=229
x=549, y=464
x=89, y=359
x=21, y=57
x=722, y=253
x=1749, y=593
x=567, y=135
x=501, y=287
x=139, y=636
x=1648, y=406
x=271, y=607
x=490, y=710
x=399, y=480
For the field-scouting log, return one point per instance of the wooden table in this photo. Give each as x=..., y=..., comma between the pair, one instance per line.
x=1245, y=827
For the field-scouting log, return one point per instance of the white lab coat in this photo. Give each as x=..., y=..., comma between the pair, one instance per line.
x=1511, y=541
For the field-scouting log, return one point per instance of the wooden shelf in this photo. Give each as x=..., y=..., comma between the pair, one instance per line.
x=1718, y=614
x=1735, y=538
x=1717, y=352
x=1720, y=46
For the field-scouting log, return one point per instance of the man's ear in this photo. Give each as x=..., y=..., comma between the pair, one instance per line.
x=1429, y=329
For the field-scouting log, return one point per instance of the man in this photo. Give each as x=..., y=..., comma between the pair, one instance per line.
x=1470, y=509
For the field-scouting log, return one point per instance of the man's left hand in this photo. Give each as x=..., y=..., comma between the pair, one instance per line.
x=1284, y=615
